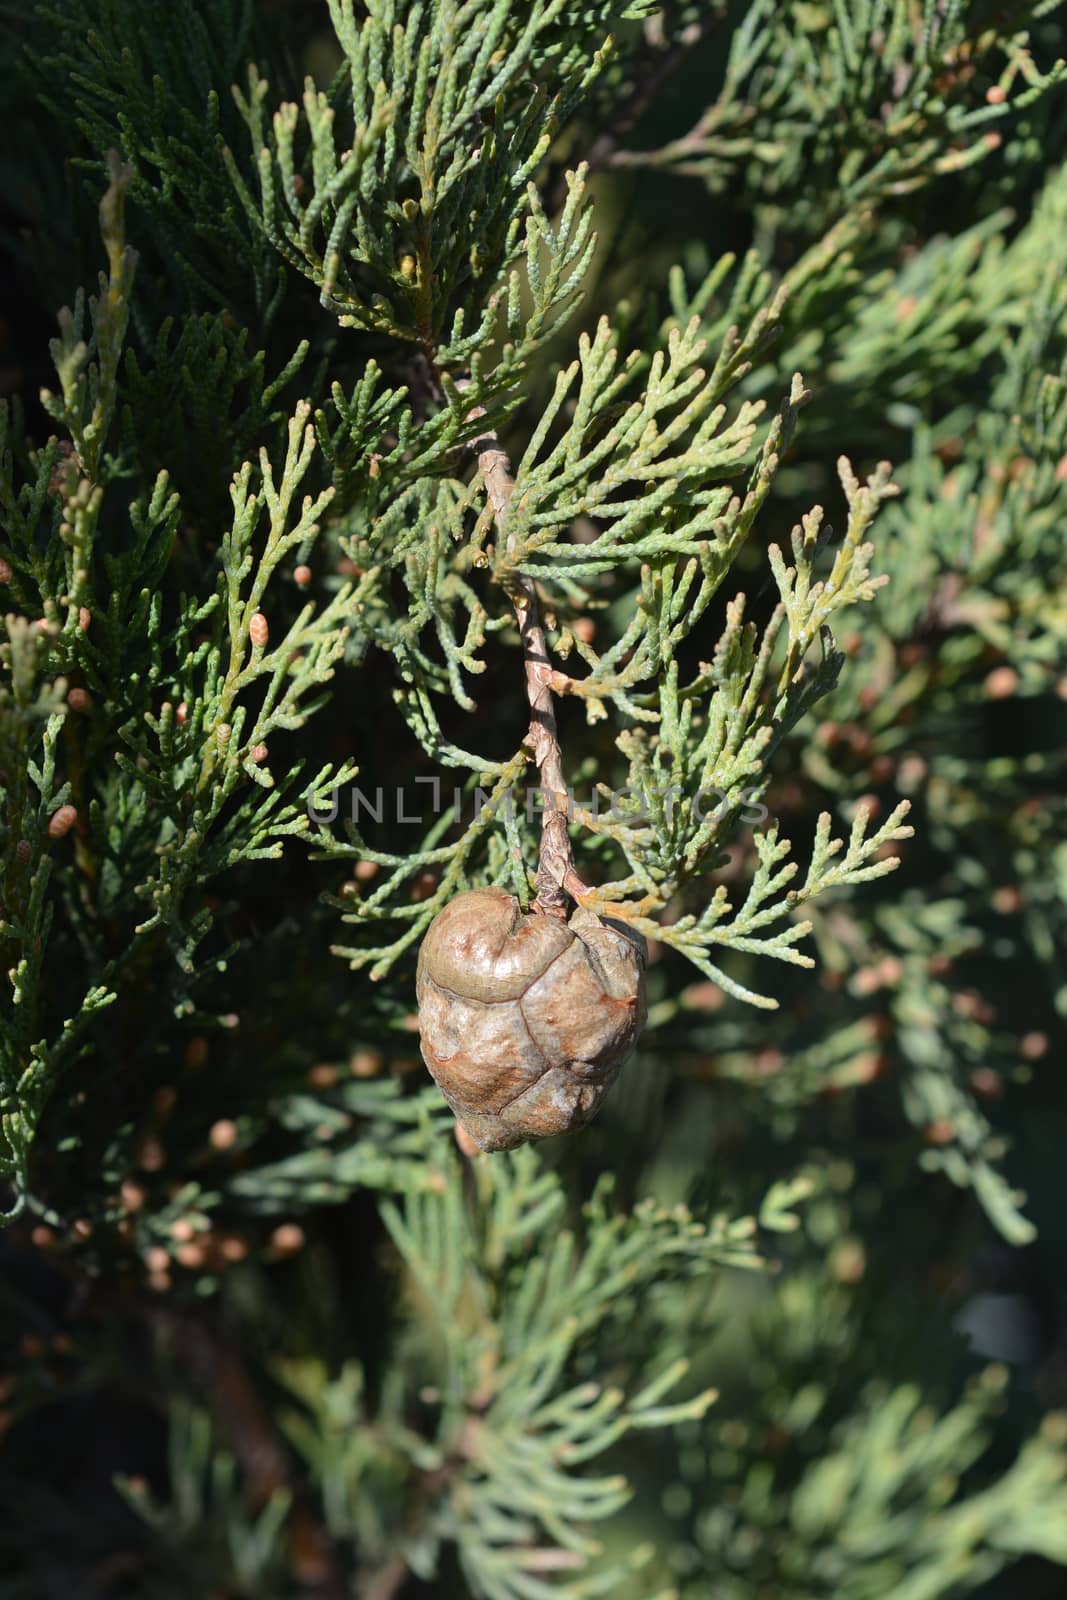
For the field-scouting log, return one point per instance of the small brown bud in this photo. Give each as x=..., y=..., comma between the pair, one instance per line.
x=133, y=1194
x=181, y=713
x=288, y=1238
x=706, y=996
x=910, y=773
x=42, y=1237
x=258, y=753
x=191, y=1255
x=22, y=852
x=323, y=1076
x=258, y=630
x=85, y=616
x=151, y=1156
x=1001, y=683
x=157, y=1259
x=1032, y=1046
x=61, y=822
x=366, y=1064
x=79, y=700
x=995, y=95
x=222, y=735
x=364, y=871
x=584, y=628
x=82, y=1228
x=6, y=574
x=302, y=575
x=164, y=1099
x=848, y=1261
x=223, y=1134
x=232, y=1247
x=196, y=1053
x=183, y=1230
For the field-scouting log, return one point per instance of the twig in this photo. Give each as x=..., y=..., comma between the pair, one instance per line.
x=556, y=874
x=652, y=78
x=249, y=1431
x=647, y=89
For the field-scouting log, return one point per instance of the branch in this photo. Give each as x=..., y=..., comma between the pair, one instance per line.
x=556, y=875
x=652, y=78
x=249, y=1431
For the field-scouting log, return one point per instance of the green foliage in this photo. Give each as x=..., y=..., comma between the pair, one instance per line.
x=152, y=81
x=832, y=104
x=167, y=693
x=884, y=1507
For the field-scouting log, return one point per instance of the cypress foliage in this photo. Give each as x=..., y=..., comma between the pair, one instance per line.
x=344, y=348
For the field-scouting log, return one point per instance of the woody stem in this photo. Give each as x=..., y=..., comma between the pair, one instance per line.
x=556, y=874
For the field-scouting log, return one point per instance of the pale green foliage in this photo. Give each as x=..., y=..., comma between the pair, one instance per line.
x=186, y=741
x=490, y=1343
x=875, y=91
x=715, y=733
x=410, y=186
x=399, y=203
x=885, y=1507
x=206, y=1490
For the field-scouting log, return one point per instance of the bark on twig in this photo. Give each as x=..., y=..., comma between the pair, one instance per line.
x=556, y=875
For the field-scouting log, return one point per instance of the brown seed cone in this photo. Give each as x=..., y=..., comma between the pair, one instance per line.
x=525, y=1019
